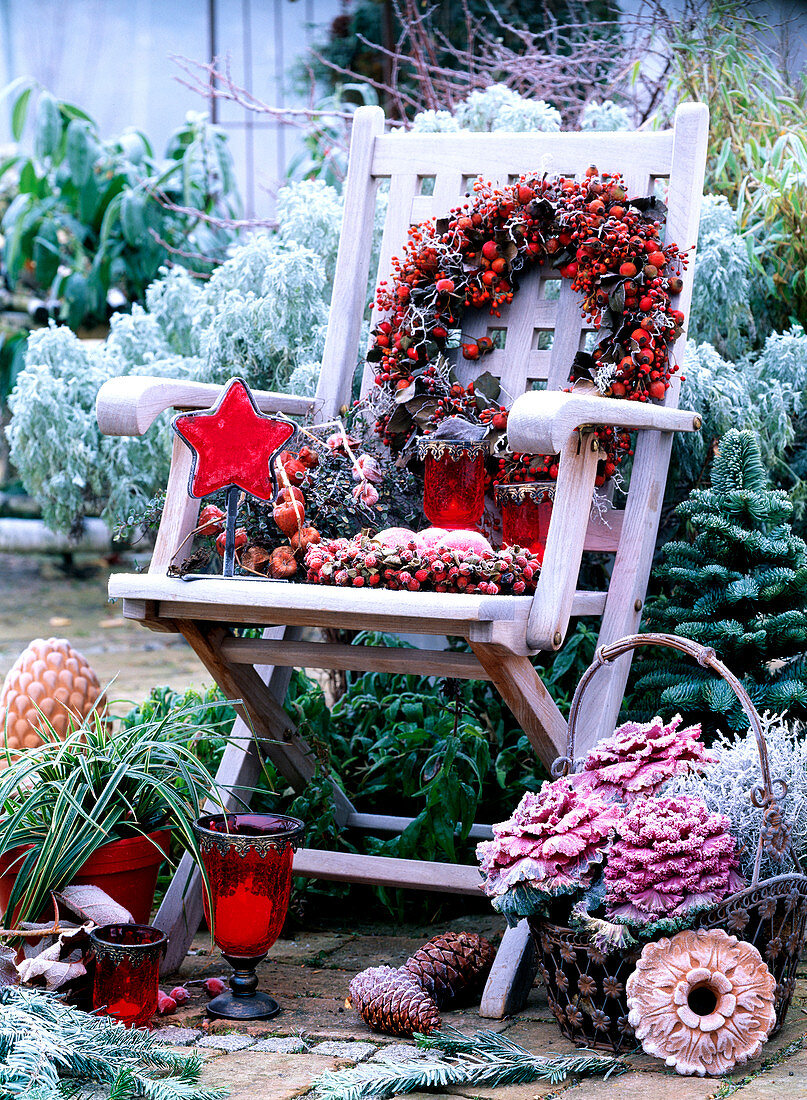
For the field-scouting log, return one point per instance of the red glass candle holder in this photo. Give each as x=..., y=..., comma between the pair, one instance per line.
x=454, y=482
x=526, y=512
x=248, y=860
x=127, y=971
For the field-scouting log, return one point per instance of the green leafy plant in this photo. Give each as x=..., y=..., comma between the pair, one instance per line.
x=93, y=214
x=49, y=1050
x=63, y=800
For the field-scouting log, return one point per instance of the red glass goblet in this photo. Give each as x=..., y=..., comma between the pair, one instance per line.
x=127, y=971
x=454, y=482
x=248, y=859
x=526, y=512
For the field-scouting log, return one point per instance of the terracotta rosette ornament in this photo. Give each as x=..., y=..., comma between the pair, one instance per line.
x=702, y=1001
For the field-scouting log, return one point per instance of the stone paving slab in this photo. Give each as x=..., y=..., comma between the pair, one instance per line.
x=229, y=1043
x=280, y=1045
x=253, y=1076
x=178, y=1036
x=353, y=1052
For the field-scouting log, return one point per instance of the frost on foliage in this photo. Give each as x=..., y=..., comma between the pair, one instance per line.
x=670, y=857
x=527, y=115
x=270, y=313
x=304, y=378
x=604, y=116
x=435, y=122
x=782, y=366
x=178, y=304
x=63, y=460
x=728, y=396
x=726, y=788
x=500, y=108
x=309, y=213
x=638, y=758
x=720, y=313
x=553, y=844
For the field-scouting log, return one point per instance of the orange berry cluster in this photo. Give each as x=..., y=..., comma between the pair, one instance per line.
x=608, y=245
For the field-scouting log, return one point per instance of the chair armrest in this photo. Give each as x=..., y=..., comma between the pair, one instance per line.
x=130, y=404
x=541, y=422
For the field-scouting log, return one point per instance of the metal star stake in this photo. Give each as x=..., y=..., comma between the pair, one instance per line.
x=234, y=448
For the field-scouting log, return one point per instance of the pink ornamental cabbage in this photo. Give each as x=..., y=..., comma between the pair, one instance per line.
x=638, y=759
x=670, y=856
x=553, y=842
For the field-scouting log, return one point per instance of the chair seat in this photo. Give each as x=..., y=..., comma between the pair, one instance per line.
x=494, y=620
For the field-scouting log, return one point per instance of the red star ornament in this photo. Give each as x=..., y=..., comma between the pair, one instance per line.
x=233, y=444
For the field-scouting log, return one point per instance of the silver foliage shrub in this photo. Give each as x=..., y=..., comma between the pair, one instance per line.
x=604, y=116
x=263, y=314
x=65, y=462
x=720, y=313
x=726, y=787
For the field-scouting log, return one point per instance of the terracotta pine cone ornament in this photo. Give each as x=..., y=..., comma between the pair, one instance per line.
x=702, y=1001
x=54, y=677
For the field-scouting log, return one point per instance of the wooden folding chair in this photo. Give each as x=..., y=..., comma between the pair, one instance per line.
x=503, y=631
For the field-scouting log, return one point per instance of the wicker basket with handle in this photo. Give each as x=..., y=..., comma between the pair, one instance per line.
x=586, y=986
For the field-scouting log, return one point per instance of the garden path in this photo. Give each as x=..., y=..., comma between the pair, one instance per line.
x=281, y=1058
x=38, y=599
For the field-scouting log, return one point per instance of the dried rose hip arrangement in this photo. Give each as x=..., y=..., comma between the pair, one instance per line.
x=348, y=507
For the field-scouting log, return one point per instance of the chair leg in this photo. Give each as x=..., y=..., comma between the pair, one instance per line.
x=523, y=691
x=511, y=975
x=262, y=690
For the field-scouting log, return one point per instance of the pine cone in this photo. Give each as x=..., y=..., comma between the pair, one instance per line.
x=391, y=1001
x=452, y=967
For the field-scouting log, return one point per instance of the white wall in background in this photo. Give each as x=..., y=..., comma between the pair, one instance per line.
x=113, y=59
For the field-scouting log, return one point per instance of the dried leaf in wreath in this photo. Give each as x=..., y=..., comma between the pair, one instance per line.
x=651, y=206
x=421, y=409
x=400, y=421
x=488, y=385
x=459, y=429
x=583, y=366
x=403, y=396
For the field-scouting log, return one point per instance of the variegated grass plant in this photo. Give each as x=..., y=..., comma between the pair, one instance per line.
x=63, y=800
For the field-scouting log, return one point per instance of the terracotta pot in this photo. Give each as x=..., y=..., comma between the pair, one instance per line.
x=124, y=869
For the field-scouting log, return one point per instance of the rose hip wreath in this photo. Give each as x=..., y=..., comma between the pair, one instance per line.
x=607, y=244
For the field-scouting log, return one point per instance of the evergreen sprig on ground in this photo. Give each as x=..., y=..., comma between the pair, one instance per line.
x=738, y=584
x=49, y=1050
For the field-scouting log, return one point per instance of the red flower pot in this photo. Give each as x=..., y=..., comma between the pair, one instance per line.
x=124, y=869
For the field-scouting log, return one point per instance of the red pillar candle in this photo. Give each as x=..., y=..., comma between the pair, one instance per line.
x=248, y=861
x=526, y=512
x=127, y=971
x=454, y=482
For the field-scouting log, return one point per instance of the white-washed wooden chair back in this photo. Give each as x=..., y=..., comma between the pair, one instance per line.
x=672, y=159
x=537, y=336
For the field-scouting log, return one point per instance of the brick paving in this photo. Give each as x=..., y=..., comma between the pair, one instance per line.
x=280, y=1059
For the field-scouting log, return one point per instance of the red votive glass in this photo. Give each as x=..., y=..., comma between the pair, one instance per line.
x=127, y=971
x=526, y=512
x=248, y=860
x=454, y=482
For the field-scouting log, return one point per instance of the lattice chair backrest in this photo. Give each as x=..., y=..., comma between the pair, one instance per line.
x=539, y=334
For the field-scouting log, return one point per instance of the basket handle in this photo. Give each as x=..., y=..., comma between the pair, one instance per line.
x=763, y=796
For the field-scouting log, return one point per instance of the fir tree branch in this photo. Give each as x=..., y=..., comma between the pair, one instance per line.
x=63, y=1051
x=483, y=1058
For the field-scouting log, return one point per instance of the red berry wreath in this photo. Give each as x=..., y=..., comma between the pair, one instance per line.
x=607, y=244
